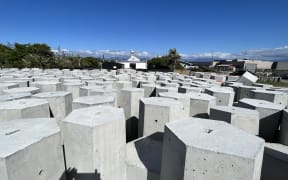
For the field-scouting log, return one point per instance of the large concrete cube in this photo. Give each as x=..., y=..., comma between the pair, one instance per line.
x=243, y=118
x=86, y=90
x=60, y=103
x=165, y=89
x=87, y=101
x=32, y=90
x=155, y=112
x=205, y=149
x=271, y=96
x=94, y=140
x=224, y=96
x=184, y=98
x=270, y=115
x=284, y=128
x=4, y=86
x=15, y=96
x=275, y=162
x=200, y=104
x=143, y=158
x=47, y=86
x=24, y=108
x=247, y=78
x=74, y=88
x=31, y=149
x=149, y=90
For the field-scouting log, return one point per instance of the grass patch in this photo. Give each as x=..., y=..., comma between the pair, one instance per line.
x=276, y=84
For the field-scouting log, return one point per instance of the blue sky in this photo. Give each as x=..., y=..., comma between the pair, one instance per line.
x=196, y=28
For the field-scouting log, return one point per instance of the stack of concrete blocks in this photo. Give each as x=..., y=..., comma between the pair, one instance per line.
x=16, y=96
x=271, y=96
x=4, y=86
x=143, y=157
x=270, y=116
x=47, y=86
x=60, y=103
x=155, y=112
x=200, y=104
x=87, y=101
x=24, y=108
x=31, y=149
x=129, y=101
x=184, y=98
x=94, y=140
x=275, y=162
x=73, y=87
x=32, y=90
x=243, y=118
x=248, y=79
x=205, y=149
x=224, y=95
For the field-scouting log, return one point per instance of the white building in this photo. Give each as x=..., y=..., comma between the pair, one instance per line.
x=133, y=62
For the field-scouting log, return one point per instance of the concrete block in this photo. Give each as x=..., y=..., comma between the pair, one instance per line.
x=275, y=162
x=143, y=158
x=271, y=96
x=187, y=89
x=105, y=92
x=24, y=108
x=47, y=86
x=16, y=96
x=74, y=88
x=247, y=78
x=243, y=118
x=224, y=96
x=165, y=89
x=245, y=92
x=270, y=115
x=155, y=112
x=87, y=101
x=200, y=104
x=4, y=86
x=284, y=128
x=60, y=103
x=21, y=83
x=86, y=90
x=149, y=90
x=31, y=149
x=202, y=149
x=94, y=140
x=32, y=90
x=184, y=98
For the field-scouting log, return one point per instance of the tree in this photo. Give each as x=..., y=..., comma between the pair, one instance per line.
x=173, y=58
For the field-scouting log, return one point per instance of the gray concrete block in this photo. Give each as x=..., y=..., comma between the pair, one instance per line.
x=155, y=112
x=271, y=96
x=200, y=104
x=15, y=96
x=202, y=149
x=275, y=162
x=243, y=118
x=4, y=86
x=187, y=89
x=224, y=96
x=94, y=140
x=86, y=90
x=149, y=90
x=284, y=128
x=184, y=98
x=143, y=158
x=31, y=149
x=21, y=83
x=32, y=90
x=270, y=115
x=247, y=78
x=60, y=103
x=73, y=88
x=88, y=101
x=165, y=89
x=47, y=86
x=24, y=108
